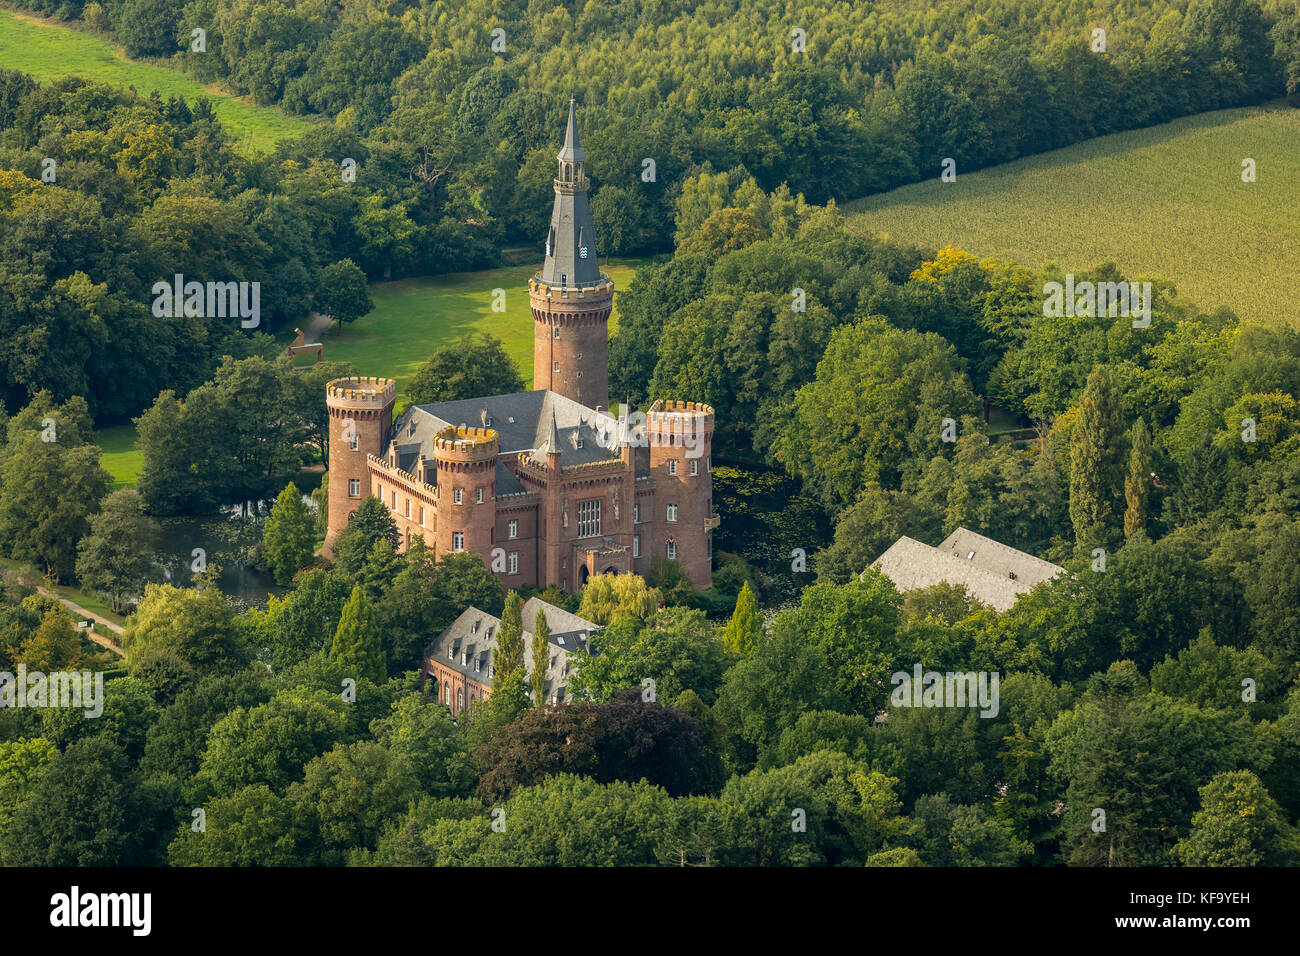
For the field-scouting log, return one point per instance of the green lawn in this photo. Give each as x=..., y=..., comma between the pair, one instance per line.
x=48, y=50
x=413, y=317
x=1166, y=201
x=120, y=458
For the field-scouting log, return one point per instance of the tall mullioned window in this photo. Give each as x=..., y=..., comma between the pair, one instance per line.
x=458, y=541
x=589, y=518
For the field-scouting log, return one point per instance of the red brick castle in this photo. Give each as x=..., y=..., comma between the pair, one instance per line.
x=546, y=486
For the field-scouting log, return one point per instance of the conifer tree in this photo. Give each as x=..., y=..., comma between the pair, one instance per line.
x=541, y=657
x=1137, y=484
x=510, y=641
x=356, y=639
x=745, y=627
x=1095, y=474
x=290, y=539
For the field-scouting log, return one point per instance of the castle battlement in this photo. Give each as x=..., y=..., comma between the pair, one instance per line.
x=458, y=442
x=671, y=407
x=367, y=391
x=383, y=467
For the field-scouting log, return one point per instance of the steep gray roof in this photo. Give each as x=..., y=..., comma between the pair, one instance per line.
x=523, y=421
x=572, y=628
x=998, y=558
x=472, y=638
x=572, y=151
x=990, y=571
x=571, y=239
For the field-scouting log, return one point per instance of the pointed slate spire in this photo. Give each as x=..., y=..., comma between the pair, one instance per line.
x=553, y=436
x=571, y=241
x=572, y=151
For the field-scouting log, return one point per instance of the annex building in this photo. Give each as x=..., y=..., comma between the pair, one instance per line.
x=461, y=658
x=991, y=572
x=547, y=486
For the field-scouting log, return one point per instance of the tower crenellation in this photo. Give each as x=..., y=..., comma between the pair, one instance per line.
x=360, y=418
x=465, y=461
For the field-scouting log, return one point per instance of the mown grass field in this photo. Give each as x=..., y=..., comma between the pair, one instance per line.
x=413, y=317
x=48, y=50
x=119, y=456
x=1165, y=201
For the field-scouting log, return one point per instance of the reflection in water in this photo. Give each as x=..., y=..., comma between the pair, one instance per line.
x=231, y=540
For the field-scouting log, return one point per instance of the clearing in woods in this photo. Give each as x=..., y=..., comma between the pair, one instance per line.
x=48, y=50
x=1166, y=201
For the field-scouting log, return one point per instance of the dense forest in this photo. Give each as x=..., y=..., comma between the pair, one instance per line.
x=1154, y=682
x=454, y=141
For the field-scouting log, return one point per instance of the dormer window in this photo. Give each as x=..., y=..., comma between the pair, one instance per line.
x=579, y=440
x=410, y=428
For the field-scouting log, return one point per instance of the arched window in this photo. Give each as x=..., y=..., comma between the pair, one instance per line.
x=672, y=550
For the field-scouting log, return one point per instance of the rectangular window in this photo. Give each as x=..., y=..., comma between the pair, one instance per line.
x=421, y=516
x=512, y=562
x=672, y=512
x=408, y=507
x=672, y=466
x=636, y=514
x=478, y=494
x=557, y=366
x=557, y=331
x=354, y=487
x=589, y=518
x=636, y=546
x=514, y=528
x=394, y=500
x=355, y=443
x=458, y=541
x=456, y=496
x=695, y=466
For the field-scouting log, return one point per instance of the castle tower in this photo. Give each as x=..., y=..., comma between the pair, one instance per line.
x=361, y=416
x=681, y=441
x=465, y=461
x=570, y=297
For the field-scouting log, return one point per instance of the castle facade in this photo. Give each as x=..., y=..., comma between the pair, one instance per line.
x=546, y=486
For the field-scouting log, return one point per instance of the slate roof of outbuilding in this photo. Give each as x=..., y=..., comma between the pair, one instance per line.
x=991, y=572
x=473, y=637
